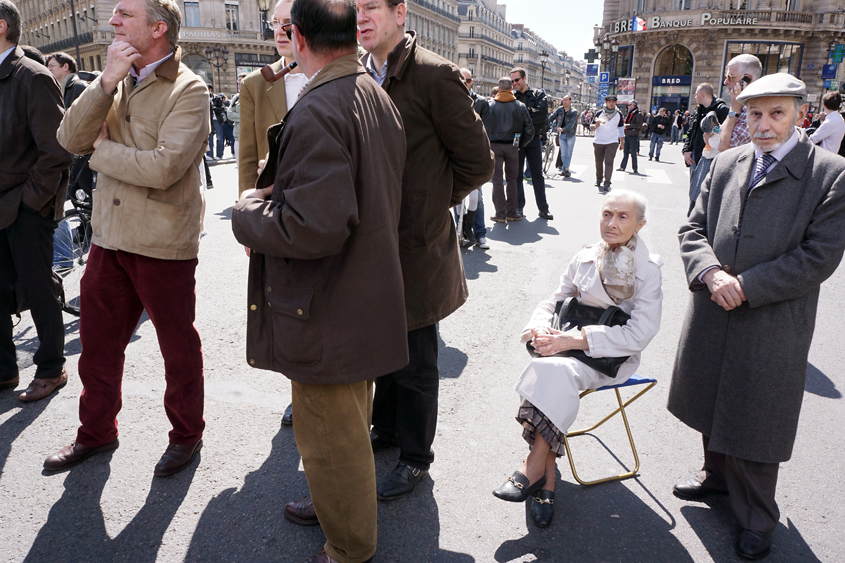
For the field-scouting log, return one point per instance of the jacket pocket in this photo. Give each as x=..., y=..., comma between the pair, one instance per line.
x=167, y=226
x=296, y=337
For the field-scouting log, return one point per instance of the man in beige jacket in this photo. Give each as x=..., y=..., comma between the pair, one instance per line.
x=264, y=105
x=146, y=121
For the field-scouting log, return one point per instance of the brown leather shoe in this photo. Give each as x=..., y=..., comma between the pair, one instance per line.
x=176, y=457
x=75, y=453
x=301, y=512
x=40, y=388
x=10, y=383
x=321, y=557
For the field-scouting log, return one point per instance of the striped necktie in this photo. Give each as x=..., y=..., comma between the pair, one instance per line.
x=763, y=164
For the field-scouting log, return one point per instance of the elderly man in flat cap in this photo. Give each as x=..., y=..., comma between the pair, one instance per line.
x=766, y=231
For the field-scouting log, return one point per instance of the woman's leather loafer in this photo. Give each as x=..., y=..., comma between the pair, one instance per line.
x=543, y=508
x=517, y=488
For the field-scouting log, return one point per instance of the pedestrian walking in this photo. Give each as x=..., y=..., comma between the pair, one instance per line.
x=677, y=123
x=618, y=271
x=659, y=126
x=538, y=107
x=695, y=142
x=608, y=125
x=509, y=127
x=766, y=231
x=448, y=157
x=633, y=126
x=33, y=184
x=332, y=335
x=565, y=120
x=146, y=223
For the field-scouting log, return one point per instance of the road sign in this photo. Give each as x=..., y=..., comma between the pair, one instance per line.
x=592, y=70
x=604, y=77
x=828, y=72
x=592, y=79
x=837, y=54
x=834, y=85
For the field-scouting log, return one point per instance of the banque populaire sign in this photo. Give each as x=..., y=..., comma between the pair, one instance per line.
x=706, y=20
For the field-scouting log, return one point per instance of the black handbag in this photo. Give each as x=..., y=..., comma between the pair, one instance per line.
x=569, y=314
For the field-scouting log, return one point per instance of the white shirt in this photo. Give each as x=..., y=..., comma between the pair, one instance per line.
x=830, y=132
x=609, y=133
x=294, y=83
x=147, y=70
x=5, y=54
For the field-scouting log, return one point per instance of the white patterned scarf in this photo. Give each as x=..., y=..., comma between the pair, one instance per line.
x=618, y=269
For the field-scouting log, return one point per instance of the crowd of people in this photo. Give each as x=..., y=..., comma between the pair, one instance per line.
x=395, y=140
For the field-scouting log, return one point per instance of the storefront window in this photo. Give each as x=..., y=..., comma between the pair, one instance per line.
x=675, y=60
x=198, y=64
x=775, y=57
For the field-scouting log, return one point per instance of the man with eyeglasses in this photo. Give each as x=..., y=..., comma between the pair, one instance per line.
x=264, y=105
x=538, y=108
x=448, y=157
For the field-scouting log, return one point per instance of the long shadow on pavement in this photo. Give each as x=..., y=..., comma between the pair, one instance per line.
x=606, y=522
x=819, y=384
x=75, y=529
x=450, y=361
x=714, y=525
x=18, y=422
x=517, y=233
x=247, y=524
x=476, y=261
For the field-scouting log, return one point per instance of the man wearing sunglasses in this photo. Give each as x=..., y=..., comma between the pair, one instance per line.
x=538, y=108
x=448, y=157
x=326, y=307
x=264, y=105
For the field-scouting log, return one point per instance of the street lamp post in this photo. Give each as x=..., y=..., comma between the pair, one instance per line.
x=544, y=56
x=75, y=35
x=266, y=28
x=217, y=64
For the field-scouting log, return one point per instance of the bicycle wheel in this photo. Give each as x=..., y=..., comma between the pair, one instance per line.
x=71, y=244
x=548, y=155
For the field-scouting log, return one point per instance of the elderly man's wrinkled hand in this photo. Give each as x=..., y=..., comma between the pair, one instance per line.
x=726, y=290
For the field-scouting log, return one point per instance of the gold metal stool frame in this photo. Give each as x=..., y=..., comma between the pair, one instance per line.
x=634, y=380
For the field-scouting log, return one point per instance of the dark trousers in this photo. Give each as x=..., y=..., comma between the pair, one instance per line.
x=533, y=153
x=751, y=488
x=26, y=256
x=405, y=401
x=116, y=288
x=229, y=135
x=505, y=201
x=478, y=227
x=604, y=161
x=632, y=147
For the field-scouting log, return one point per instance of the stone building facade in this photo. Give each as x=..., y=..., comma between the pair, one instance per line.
x=688, y=42
x=485, y=44
x=436, y=24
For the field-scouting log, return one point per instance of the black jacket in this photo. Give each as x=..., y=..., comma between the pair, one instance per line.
x=479, y=104
x=635, y=125
x=664, y=121
x=538, y=109
x=695, y=138
x=506, y=119
x=73, y=88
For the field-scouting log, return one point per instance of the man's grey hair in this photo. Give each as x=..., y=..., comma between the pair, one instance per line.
x=9, y=13
x=464, y=69
x=747, y=64
x=168, y=12
x=637, y=200
x=505, y=83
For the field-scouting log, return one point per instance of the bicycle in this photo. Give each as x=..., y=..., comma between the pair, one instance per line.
x=549, y=153
x=72, y=239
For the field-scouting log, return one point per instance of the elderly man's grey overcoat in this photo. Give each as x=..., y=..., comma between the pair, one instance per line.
x=739, y=375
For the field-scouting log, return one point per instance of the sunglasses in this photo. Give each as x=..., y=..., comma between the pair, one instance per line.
x=468, y=80
x=288, y=29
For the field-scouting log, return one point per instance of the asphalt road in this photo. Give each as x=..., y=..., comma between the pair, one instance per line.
x=227, y=507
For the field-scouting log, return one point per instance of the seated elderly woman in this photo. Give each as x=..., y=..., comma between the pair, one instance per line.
x=617, y=271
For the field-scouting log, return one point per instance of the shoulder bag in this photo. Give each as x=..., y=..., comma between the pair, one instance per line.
x=569, y=314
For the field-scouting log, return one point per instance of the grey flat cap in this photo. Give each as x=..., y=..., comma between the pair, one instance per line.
x=779, y=84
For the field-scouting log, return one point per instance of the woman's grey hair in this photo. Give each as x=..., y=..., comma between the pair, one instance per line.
x=168, y=12
x=639, y=202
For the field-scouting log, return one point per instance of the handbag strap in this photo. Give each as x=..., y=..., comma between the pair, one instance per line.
x=608, y=314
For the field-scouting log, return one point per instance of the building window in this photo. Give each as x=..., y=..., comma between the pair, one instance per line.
x=99, y=63
x=472, y=50
x=675, y=60
x=232, y=17
x=624, y=61
x=792, y=5
x=192, y=14
x=775, y=57
x=639, y=6
x=519, y=58
x=683, y=4
x=472, y=31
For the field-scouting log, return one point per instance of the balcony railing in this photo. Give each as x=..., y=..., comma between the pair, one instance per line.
x=480, y=37
x=437, y=10
x=495, y=60
x=67, y=44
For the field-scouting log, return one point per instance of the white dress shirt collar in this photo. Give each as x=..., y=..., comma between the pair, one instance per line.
x=5, y=54
x=140, y=75
x=379, y=75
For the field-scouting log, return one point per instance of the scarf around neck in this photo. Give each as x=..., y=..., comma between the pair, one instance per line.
x=504, y=97
x=609, y=113
x=618, y=269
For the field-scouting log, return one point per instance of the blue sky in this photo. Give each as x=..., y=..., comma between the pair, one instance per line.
x=566, y=24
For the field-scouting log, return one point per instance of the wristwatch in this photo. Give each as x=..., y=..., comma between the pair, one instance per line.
x=731, y=113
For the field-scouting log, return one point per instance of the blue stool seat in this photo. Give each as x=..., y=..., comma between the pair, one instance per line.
x=630, y=382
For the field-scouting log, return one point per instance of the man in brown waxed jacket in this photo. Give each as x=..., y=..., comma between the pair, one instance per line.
x=448, y=157
x=326, y=302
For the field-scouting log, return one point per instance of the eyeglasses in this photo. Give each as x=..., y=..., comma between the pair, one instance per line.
x=517, y=79
x=368, y=9
x=276, y=24
x=468, y=80
x=732, y=77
